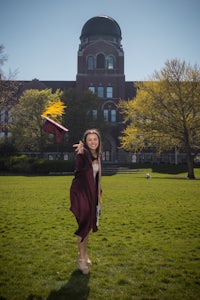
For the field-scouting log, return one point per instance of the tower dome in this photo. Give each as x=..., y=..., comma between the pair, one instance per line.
x=101, y=25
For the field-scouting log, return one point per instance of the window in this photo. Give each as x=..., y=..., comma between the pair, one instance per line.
x=2, y=115
x=66, y=156
x=94, y=114
x=110, y=115
x=134, y=158
x=113, y=115
x=91, y=89
x=110, y=62
x=105, y=115
x=110, y=112
x=109, y=92
x=90, y=63
x=9, y=116
x=100, y=91
x=100, y=61
x=106, y=155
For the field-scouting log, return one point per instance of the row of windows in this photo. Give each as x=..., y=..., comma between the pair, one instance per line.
x=113, y=39
x=101, y=91
x=101, y=62
x=110, y=115
x=55, y=156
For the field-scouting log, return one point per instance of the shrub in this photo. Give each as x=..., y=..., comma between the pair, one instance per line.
x=47, y=166
x=22, y=164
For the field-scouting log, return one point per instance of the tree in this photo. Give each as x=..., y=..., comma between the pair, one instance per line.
x=166, y=112
x=26, y=127
x=8, y=87
x=82, y=112
x=8, y=97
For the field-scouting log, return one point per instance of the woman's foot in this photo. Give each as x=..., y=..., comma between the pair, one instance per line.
x=88, y=262
x=83, y=266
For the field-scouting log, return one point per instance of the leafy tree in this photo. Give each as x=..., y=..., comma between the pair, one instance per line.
x=79, y=115
x=166, y=112
x=26, y=128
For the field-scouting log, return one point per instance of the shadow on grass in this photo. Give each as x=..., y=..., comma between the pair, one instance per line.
x=76, y=288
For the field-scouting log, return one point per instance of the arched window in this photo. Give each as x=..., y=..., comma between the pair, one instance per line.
x=90, y=62
x=110, y=112
x=106, y=115
x=113, y=115
x=106, y=155
x=100, y=61
x=110, y=62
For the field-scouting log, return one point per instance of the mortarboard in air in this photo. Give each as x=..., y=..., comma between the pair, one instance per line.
x=51, y=126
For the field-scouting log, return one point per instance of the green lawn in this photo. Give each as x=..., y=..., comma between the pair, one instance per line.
x=147, y=246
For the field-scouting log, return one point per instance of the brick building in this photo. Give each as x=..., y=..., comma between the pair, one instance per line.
x=100, y=69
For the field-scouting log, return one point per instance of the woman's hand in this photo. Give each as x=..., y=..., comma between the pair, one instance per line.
x=79, y=147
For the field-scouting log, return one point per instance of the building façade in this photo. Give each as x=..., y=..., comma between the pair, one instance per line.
x=100, y=69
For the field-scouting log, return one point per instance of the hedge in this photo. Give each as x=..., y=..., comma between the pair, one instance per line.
x=22, y=164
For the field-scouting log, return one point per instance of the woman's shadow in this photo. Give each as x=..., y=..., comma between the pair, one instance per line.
x=75, y=289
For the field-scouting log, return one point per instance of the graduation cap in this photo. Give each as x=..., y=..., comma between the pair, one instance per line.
x=51, y=126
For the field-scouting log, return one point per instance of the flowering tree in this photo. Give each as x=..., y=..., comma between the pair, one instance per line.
x=166, y=112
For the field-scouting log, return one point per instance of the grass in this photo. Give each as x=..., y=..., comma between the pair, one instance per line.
x=147, y=246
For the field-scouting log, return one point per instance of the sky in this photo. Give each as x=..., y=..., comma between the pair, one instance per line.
x=41, y=37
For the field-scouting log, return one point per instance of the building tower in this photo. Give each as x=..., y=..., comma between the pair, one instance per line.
x=100, y=69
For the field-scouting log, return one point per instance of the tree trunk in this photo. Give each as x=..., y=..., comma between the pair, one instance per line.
x=190, y=167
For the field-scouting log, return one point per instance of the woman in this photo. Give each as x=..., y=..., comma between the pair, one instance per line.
x=85, y=192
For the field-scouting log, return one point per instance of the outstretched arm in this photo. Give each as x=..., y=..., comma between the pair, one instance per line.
x=79, y=147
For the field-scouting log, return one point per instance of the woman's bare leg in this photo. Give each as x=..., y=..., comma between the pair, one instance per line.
x=82, y=255
x=82, y=247
x=85, y=248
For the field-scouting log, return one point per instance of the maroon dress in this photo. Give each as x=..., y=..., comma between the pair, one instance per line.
x=84, y=194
